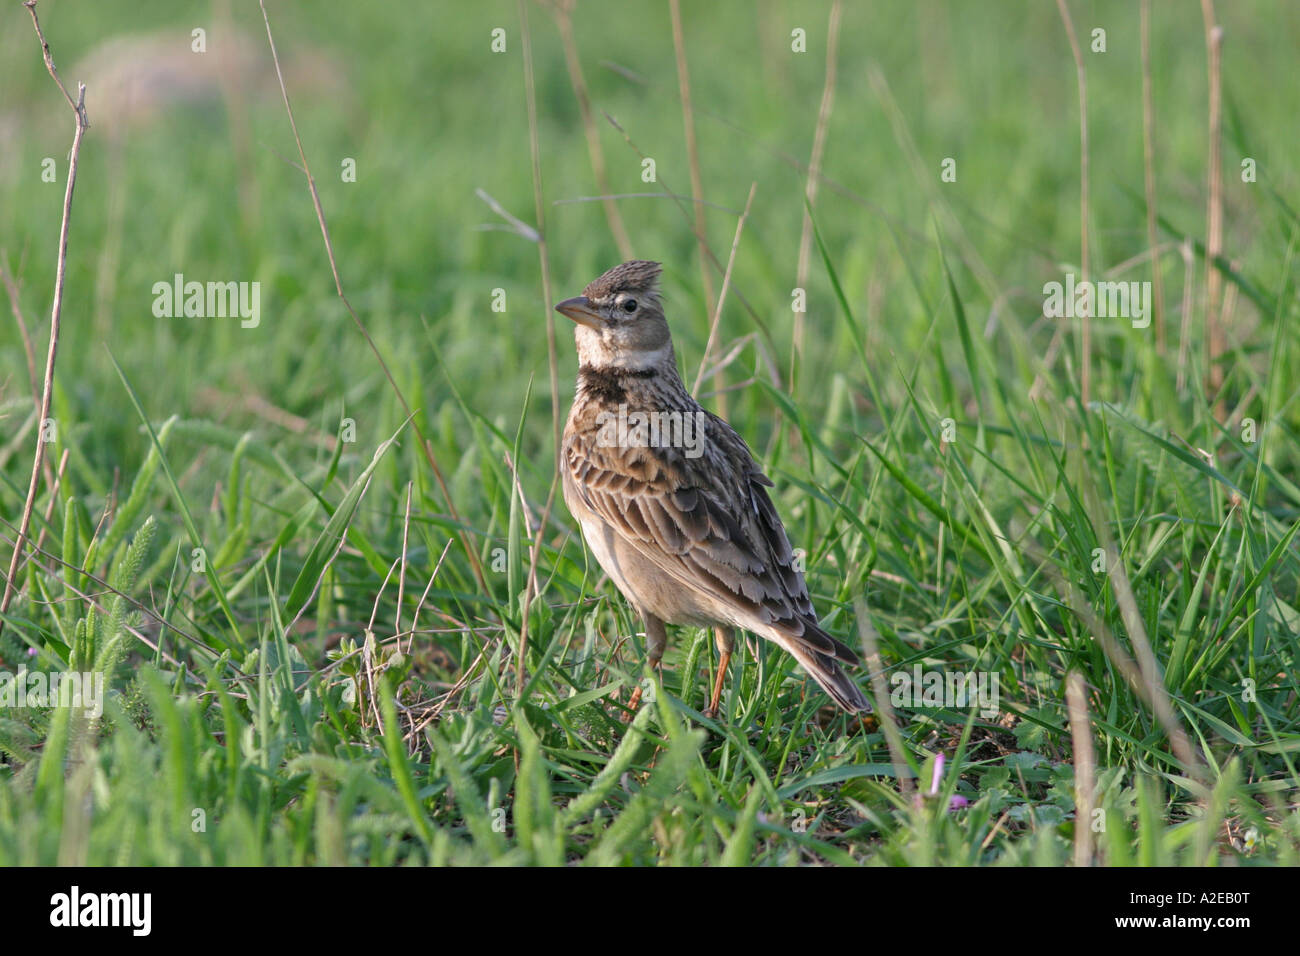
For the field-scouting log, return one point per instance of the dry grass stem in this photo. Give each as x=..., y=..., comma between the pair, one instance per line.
x=884, y=706
x=680, y=202
x=722, y=296
x=425, y=446
x=563, y=11
x=814, y=172
x=1144, y=677
x=1216, y=341
x=15, y=306
x=531, y=589
x=1185, y=322
x=1085, y=768
x=56, y=313
x=692, y=148
x=1149, y=176
x=1085, y=319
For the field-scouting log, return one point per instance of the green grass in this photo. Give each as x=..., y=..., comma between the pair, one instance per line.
x=303, y=669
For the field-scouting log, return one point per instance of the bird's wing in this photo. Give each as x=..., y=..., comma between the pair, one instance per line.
x=707, y=522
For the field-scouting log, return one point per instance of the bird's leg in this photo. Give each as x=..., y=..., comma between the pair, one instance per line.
x=656, y=639
x=724, y=638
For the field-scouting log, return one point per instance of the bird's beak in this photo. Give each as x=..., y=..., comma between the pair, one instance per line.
x=579, y=309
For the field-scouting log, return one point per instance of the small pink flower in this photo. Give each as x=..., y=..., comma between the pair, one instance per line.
x=938, y=775
x=956, y=802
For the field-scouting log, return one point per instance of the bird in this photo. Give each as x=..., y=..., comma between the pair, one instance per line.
x=670, y=499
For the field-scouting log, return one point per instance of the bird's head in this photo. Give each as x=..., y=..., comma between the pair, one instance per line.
x=620, y=320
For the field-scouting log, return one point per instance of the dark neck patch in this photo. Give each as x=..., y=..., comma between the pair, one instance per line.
x=609, y=384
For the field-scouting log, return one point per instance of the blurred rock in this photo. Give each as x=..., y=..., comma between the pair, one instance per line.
x=134, y=79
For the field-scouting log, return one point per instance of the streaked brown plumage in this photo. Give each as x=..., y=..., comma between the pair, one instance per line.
x=686, y=539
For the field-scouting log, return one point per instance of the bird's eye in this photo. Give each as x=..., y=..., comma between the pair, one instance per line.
x=629, y=305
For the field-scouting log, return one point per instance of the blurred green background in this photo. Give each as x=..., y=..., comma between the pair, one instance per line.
x=978, y=555
x=201, y=183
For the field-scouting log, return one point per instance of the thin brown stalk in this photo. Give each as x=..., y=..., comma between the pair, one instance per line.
x=461, y=683
x=928, y=182
x=1042, y=377
x=260, y=407
x=56, y=312
x=1085, y=319
x=15, y=306
x=814, y=174
x=563, y=11
x=104, y=587
x=680, y=202
x=902, y=226
x=1185, y=324
x=884, y=707
x=530, y=90
x=419, y=605
x=1152, y=675
x=55, y=482
x=525, y=511
x=369, y=647
x=1149, y=175
x=425, y=446
x=401, y=575
x=531, y=589
x=1228, y=308
x=1085, y=767
x=693, y=160
x=1143, y=676
x=692, y=148
x=512, y=223
x=664, y=195
x=722, y=296
x=1215, y=339
x=761, y=353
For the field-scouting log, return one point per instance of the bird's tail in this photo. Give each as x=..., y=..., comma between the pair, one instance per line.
x=826, y=671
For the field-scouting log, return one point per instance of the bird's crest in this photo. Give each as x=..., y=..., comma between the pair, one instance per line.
x=638, y=275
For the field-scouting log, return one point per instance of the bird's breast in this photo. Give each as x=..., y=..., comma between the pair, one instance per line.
x=644, y=584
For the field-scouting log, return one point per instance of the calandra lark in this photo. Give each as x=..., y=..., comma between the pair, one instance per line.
x=669, y=497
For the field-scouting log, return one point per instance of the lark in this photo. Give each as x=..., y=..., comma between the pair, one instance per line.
x=678, y=514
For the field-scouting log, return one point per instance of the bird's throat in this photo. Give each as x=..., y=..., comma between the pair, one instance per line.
x=609, y=384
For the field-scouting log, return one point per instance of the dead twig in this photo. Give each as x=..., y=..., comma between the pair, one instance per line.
x=563, y=12
x=1085, y=318
x=1085, y=768
x=1216, y=341
x=425, y=446
x=1149, y=175
x=534, y=148
x=814, y=172
x=722, y=296
x=692, y=148
x=56, y=311
x=11, y=289
x=875, y=667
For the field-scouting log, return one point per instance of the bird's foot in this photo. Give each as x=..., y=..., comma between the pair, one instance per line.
x=641, y=688
x=632, y=704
